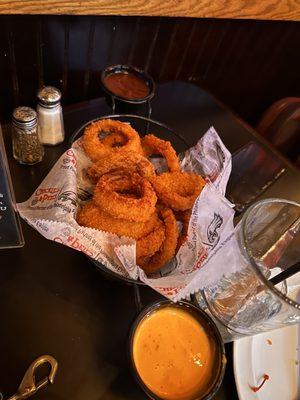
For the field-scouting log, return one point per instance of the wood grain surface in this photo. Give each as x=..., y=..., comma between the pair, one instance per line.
x=239, y=9
x=248, y=64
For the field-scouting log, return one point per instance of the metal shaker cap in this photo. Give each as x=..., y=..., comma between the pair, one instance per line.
x=24, y=116
x=49, y=96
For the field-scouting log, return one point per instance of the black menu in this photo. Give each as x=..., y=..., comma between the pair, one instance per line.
x=10, y=229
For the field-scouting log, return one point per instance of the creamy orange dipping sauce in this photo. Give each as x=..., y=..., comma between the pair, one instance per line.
x=174, y=355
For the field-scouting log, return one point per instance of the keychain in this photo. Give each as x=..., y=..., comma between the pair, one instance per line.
x=28, y=386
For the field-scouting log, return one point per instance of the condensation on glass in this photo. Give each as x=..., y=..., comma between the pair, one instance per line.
x=245, y=302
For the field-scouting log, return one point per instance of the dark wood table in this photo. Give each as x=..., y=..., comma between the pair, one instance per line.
x=54, y=301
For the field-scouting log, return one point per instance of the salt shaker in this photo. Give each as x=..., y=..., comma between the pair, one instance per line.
x=51, y=125
x=27, y=148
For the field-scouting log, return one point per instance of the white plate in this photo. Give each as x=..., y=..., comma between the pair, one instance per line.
x=255, y=356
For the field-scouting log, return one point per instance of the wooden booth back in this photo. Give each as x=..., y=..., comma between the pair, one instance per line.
x=246, y=63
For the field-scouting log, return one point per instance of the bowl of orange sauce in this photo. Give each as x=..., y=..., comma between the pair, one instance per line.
x=176, y=352
x=127, y=84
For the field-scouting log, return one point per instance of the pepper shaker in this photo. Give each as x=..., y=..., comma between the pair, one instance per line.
x=27, y=148
x=51, y=125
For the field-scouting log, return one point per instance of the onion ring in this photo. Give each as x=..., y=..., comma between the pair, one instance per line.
x=149, y=244
x=168, y=247
x=108, y=196
x=129, y=162
x=92, y=216
x=97, y=148
x=184, y=217
x=153, y=145
x=114, y=139
x=178, y=190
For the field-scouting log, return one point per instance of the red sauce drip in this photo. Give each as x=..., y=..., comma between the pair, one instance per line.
x=257, y=388
x=126, y=85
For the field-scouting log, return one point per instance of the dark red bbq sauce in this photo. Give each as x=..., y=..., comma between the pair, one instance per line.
x=126, y=85
x=257, y=388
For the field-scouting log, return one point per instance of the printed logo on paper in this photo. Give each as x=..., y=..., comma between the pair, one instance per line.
x=213, y=235
x=68, y=196
x=43, y=195
x=69, y=161
x=48, y=198
x=75, y=243
x=169, y=291
x=70, y=158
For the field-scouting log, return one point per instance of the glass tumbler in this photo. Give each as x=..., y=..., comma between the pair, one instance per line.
x=245, y=302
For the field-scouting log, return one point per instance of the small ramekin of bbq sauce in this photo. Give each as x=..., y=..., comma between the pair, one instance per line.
x=127, y=85
x=176, y=352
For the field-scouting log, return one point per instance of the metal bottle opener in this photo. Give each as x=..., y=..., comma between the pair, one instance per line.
x=29, y=386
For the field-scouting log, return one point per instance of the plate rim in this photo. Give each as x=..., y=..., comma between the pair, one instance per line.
x=237, y=345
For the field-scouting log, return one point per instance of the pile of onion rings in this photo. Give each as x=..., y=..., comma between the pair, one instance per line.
x=130, y=199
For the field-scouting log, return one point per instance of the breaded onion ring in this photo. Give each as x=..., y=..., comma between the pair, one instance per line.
x=153, y=145
x=149, y=244
x=168, y=247
x=115, y=139
x=97, y=147
x=108, y=196
x=184, y=217
x=92, y=216
x=178, y=190
x=130, y=162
